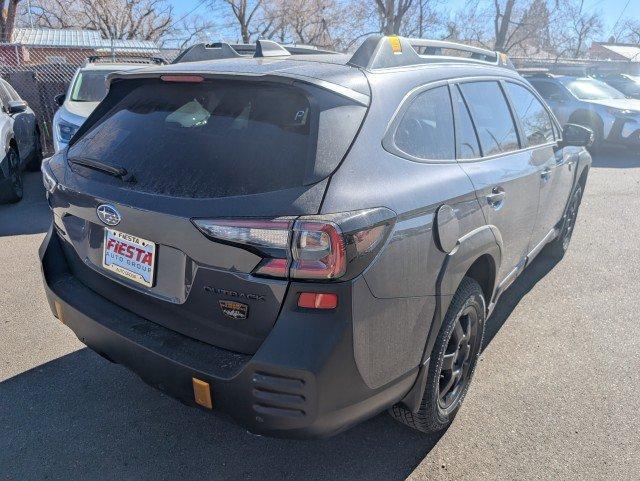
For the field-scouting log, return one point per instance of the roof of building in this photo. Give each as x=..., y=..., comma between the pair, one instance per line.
x=627, y=50
x=49, y=37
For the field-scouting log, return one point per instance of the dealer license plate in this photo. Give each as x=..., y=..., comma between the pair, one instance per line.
x=129, y=256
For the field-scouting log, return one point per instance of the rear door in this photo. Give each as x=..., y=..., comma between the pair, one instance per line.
x=506, y=180
x=540, y=135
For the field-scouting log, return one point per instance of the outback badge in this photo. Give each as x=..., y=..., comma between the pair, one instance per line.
x=234, y=310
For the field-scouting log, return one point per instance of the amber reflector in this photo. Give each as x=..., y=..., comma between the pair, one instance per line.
x=59, y=313
x=202, y=393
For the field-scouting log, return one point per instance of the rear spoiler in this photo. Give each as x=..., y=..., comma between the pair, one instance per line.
x=176, y=70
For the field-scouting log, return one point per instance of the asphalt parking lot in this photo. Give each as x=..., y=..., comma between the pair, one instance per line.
x=556, y=394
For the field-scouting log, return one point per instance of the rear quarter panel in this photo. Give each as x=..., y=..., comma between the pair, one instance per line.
x=393, y=308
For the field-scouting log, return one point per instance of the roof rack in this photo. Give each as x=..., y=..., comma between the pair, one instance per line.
x=108, y=58
x=380, y=52
x=261, y=49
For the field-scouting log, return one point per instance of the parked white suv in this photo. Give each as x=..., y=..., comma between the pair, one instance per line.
x=86, y=90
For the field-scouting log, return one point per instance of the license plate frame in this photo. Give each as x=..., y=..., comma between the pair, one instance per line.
x=129, y=256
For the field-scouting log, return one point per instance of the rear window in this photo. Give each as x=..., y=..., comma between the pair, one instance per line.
x=219, y=138
x=90, y=86
x=426, y=130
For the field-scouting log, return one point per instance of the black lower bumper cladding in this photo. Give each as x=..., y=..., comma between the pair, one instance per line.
x=300, y=383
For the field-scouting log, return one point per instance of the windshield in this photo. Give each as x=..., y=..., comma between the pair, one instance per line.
x=219, y=138
x=90, y=86
x=591, y=89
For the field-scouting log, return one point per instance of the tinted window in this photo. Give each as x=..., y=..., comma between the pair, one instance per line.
x=534, y=118
x=218, y=138
x=491, y=116
x=466, y=138
x=90, y=86
x=426, y=130
x=549, y=90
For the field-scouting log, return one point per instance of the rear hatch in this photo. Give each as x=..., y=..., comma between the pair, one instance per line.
x=159, y=153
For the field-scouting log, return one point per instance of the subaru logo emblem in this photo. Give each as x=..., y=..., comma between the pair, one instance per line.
x=108, y=214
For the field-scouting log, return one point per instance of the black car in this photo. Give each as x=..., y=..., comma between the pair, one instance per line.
x=304, y=239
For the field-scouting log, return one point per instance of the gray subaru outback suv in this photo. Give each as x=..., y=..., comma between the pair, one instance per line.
x=302, y=239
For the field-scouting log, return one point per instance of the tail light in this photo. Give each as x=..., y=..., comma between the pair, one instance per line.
x=337, y=246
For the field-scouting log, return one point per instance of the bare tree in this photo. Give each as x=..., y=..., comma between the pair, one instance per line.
x=116, y=19
x=189, y=30
x=629, y=31
x=391, y=14
x=7, y=18
x=513, y=26
x=573, y=28
x=249, y=16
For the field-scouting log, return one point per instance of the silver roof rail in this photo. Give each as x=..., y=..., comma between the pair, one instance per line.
x=261, y=49
x=380, y=52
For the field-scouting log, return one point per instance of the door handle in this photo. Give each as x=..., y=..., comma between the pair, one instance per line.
x=496, y=197
x=546, y=174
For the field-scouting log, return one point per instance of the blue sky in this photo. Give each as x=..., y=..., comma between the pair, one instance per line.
x=610, y=8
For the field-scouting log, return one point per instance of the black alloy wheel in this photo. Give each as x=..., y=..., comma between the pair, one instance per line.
x=461, y=349
x=559, y=246
x=452, y=362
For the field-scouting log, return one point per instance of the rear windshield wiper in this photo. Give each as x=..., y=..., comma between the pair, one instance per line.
x=119, y=172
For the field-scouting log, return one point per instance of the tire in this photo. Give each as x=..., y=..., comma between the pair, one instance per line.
x=36, y=158
x=12, y=190
x=460, y=342
x=557, y=248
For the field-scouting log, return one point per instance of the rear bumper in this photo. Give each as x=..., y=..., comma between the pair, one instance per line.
x=302, y=382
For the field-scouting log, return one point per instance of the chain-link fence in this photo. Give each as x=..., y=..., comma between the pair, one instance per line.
x=38, y=74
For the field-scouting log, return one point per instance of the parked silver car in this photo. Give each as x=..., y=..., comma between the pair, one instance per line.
x=613, y=117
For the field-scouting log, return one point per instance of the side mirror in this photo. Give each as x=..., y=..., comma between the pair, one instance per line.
x=59, y=99
x=574, y=135
x=16, y=106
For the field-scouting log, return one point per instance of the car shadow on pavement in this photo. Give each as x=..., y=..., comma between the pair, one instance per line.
x=539, y=268
x=80, y=417
x=29, y=216
x=616, y=159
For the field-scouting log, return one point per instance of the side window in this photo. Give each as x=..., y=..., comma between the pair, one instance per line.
x=426, y=130
x=468, y=146
x=549, y=90
x=491, y=116
x=534, y=118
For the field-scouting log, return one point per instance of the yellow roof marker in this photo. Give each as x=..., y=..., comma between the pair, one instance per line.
x=396, y=46
x=202, y=393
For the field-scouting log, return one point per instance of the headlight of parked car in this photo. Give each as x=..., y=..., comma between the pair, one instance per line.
x=66, y=130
